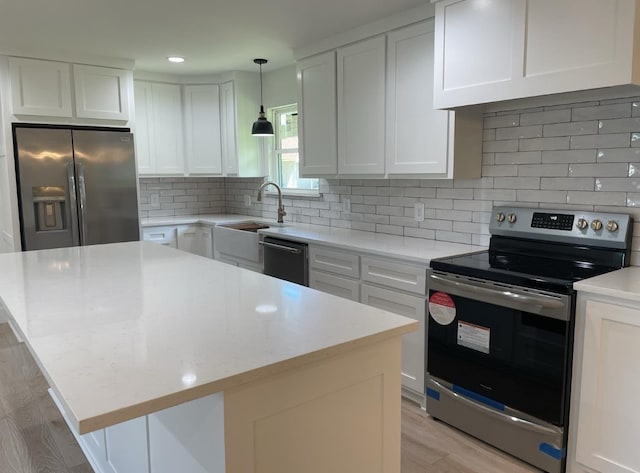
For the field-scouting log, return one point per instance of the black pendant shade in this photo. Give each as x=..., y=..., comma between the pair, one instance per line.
x=262, y=126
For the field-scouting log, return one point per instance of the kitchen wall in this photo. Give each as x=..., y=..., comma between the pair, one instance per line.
x=181, y=196
x=576, y=156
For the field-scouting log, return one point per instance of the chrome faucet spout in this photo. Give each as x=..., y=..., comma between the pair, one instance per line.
x=281, y=212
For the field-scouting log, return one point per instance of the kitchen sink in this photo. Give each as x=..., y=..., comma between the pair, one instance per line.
x=239, y=240
x=245, y=226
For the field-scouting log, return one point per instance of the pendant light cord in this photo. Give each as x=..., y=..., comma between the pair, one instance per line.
x=261, y=103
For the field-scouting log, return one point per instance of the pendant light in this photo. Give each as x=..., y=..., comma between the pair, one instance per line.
x=262, y=126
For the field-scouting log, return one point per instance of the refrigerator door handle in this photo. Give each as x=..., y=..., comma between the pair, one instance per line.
x=73, y=203
x=83, y=203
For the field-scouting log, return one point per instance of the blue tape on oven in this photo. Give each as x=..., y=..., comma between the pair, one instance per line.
x=553, y=452
x=432, y=393
x=477, y=397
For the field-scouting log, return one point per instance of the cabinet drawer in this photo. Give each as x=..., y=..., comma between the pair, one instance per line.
x=332, y=261
x=162, y=235
x=342, y=287
x=413, y=348
x=395, y=274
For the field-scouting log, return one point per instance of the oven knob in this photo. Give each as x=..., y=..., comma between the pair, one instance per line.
x=582, y=224
x=596, y=225
x=500, y=217
x=512, y=218
x=612, y=226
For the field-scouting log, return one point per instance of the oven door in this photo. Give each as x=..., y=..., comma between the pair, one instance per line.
x=501, y=345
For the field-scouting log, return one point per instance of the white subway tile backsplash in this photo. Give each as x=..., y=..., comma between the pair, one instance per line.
x=542, y=170
x=620, y=110
x=541, y=118
x=517, y=132
x=500, y=146
x=456, y=215
x=570, y=129
x=544, y=144
x=528, y=157
x=455, y=194
x=534, y=196
x=433, y=224
x=420, y=233
x=618, y=184
x=567, y=183
x=603, y=170
x=573, y=156
x=597, y=198
x=517, y=183
x=620, y=155
x=502, y=121
x=612, y=140
x=619, y=125
x=500, y=170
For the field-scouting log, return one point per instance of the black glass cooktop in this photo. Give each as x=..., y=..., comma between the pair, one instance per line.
x=533, y=264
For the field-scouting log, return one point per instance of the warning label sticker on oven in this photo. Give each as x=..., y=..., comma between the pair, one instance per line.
x=474, y=336
x=442, y=308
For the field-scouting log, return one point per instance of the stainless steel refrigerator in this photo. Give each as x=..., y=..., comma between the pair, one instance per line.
x=76, y=186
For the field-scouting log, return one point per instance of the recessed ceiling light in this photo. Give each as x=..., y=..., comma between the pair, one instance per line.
x=175, y=59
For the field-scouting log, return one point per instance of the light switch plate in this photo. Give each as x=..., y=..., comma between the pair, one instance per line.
x=155, y=200
x=247, y=200
x=346, y=204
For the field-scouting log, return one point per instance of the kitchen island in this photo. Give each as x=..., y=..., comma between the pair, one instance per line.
x=164, y=361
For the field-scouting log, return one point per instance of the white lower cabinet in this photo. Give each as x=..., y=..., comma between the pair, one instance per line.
x=395, y=274
x=412, y=343
x=605, y=424
x=162, y=235
x=336, y=285
x=196, y=239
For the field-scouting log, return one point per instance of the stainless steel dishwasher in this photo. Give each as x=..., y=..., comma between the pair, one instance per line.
x=286, y=260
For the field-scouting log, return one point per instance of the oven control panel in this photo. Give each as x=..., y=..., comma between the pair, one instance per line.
x=590, y=228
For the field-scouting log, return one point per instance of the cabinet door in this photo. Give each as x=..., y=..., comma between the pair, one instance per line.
x=167, y=125
x=40, y=87
x=143, y=133
x=341, y=287
x=101, y=92
x=196, y=239
x=317, y=124
x=202, y=126
x=608, y=429
x=361, y=107
x=412, y=343
x=417, y=135
x=228, y=129
x=478, y=51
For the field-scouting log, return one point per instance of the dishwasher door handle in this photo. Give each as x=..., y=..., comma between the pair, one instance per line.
x=295, y=251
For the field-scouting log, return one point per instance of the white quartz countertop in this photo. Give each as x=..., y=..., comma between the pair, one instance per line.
x=623, y=284
x=127, y=329
x=416, y=250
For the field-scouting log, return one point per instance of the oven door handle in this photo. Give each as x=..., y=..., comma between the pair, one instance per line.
x=504, y=417
x=540, y=304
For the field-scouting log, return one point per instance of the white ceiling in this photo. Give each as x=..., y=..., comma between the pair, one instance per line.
x=214, y=35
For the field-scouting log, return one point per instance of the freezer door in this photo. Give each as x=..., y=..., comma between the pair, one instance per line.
x=44, y=165
x=107, y=192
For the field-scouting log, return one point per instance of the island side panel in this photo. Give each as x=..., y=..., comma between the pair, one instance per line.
x=341, y=414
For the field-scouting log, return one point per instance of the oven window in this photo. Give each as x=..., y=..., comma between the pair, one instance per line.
x=516, y=358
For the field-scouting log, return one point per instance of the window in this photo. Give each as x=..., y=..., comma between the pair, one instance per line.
x=284, y=159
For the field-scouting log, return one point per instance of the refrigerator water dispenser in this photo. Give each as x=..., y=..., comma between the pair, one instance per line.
x=48, y=203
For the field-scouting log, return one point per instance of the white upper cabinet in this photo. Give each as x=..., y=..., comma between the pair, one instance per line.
x=317, y=131
x=101, y=92
x=385, y=122
x=40, y=87
x=361, y=107
x=158, y=135
x=508, y=49
x=228, y=129
x=417, y=135
x=202, y=127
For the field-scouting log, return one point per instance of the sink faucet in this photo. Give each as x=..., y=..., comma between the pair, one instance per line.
x=281, y=212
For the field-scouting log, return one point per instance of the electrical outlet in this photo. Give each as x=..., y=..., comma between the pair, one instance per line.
x=155, y=200
x=346, y=204
x=247, y=200
x=418, y=212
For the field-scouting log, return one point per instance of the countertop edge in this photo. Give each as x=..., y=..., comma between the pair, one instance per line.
x=124, y=414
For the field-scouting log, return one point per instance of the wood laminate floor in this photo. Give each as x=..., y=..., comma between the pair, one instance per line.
x=35, y=439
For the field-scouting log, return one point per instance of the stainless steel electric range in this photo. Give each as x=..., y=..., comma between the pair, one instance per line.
x=500, y=328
